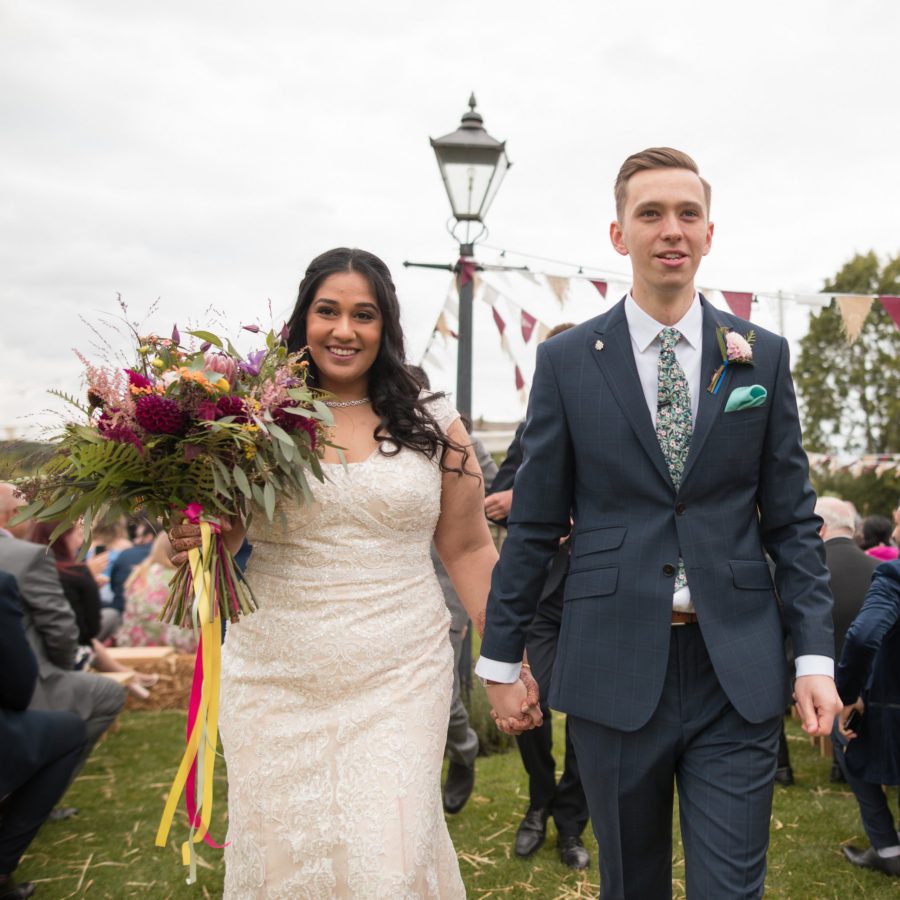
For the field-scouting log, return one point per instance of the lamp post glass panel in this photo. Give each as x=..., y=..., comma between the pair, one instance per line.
x=472, y=164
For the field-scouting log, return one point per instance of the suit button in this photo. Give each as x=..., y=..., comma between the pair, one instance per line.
x=681, y=509
x=668, y=569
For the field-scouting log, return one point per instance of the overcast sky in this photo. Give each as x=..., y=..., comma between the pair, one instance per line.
x=202, y=153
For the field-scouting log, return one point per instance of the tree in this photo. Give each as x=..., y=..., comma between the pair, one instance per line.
x=850, y=393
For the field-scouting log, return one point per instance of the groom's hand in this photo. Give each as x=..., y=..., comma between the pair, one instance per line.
x=817, y=703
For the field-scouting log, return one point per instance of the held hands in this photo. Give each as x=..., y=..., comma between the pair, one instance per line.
x=497, y=506
x=817, y=703
x=516, y=707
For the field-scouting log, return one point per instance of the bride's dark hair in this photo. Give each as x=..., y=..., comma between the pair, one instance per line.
x=405, y=418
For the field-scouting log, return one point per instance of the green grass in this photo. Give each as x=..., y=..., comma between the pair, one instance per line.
x=107, y=851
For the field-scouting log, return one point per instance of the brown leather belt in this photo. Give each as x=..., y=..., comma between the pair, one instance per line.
x=683, y=618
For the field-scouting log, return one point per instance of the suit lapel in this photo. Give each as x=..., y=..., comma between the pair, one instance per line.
x=710, y=405
x=616, y=363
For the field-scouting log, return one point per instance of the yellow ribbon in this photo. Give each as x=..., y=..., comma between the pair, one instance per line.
x=206, y=725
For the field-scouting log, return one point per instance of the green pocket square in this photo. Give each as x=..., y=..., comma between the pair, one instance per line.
x=746, y=398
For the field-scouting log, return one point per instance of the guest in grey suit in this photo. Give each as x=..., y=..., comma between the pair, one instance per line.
x=49, y=624
x=671, y=663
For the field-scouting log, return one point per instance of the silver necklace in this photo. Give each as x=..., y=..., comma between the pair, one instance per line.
x=343, y=403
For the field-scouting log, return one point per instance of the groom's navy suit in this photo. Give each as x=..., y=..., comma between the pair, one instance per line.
x=592, y=454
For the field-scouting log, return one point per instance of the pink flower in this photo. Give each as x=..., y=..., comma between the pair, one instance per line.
x=739, y=350
x=192, y=512
x=224, y=365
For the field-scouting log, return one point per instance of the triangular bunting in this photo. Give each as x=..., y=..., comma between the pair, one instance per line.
x=892, y=306
x=560, y=287
x=442, y=328
x=528, y=323
x=520, y=381
x=739, y=303
x=498, y=320
x=854, y=309
x=601, y=286
x=490, y=295
x=466, y=269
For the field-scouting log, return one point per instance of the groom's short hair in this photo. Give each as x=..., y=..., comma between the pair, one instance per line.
x=655, y=158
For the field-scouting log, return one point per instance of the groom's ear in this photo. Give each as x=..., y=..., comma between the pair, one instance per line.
x=616, y=237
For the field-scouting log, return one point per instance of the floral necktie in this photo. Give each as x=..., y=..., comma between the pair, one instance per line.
x=673, y=416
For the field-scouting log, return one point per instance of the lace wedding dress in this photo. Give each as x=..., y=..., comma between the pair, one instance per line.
x=336, y=695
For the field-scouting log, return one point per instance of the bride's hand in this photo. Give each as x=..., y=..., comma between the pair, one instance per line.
x=186, y=537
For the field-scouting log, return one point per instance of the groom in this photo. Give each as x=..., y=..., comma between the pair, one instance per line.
x=671, y=661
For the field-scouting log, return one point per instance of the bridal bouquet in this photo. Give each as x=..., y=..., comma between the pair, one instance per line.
x=192, y=433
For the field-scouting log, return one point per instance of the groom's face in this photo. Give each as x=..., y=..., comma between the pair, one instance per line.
x=664, y=228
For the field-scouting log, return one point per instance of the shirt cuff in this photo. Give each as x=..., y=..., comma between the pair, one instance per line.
x=504, y=672
x=814, y=665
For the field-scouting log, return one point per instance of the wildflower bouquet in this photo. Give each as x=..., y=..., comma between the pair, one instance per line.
x=198, y=434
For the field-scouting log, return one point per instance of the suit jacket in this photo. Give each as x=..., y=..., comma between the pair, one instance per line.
x=50, y=627
x=591, y=451
x=851, y=574
x=870, y=667
x=18, y=666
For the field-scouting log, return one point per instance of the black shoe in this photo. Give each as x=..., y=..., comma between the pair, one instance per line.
x=62, y=812
x=458, y=786
x=532, y=832
x=572, y=852
x=869, y=859
x=784, y=775
x=836, y=776
x=11, y=890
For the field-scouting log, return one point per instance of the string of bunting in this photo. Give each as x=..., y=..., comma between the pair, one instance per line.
x=520, y=297
x=878, y=463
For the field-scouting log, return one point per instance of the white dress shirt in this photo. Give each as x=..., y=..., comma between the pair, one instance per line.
x=644, y=331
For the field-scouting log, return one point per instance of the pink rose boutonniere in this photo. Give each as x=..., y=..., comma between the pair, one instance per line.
x=736, y=349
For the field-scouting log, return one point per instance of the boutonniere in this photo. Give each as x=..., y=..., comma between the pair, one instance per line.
x=736, y=349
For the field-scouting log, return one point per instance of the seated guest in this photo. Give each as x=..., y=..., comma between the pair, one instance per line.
x=81, y=591
x=122, y=567
x=49, y=624
x=39, y=751
x=868, y=679
x=109, y=540
x=145, y=594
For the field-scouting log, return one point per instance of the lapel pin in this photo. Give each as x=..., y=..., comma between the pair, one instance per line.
x=598, y=345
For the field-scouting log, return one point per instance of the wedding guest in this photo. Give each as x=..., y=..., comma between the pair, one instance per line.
x=122, y=566
x=876, y=540
x=109, y=540
x=81, y=591
x=39, y=751
x=145, y=595
x=868, y=678
x=49, y=624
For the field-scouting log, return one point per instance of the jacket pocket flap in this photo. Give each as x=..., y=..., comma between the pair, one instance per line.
x=592, y=583
x=751, y=574
x=598, y=539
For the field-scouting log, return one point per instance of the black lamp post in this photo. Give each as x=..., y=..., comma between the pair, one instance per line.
x=472, y=164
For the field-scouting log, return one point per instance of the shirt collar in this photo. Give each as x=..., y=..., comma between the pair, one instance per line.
x=644, y=329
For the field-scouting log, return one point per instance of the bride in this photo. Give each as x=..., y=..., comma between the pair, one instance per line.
x=336, y=692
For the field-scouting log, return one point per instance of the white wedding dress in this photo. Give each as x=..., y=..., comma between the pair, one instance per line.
x=336, y=694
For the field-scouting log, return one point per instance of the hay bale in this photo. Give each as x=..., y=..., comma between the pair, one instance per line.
x=172, y=691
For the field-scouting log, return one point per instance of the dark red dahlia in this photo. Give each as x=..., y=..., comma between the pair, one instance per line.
x=292, y=422
x=159, y=415
x=232, y=406
x=135, y=379
x=207, y=411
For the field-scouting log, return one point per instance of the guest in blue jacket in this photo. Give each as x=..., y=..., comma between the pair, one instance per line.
x=39, y=750
x=868, y=679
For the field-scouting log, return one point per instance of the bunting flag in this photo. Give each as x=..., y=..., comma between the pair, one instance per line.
x=466, y=269
x=443, y=329
x=892, y=307
x=490, y=295
x=739, y=302
x=601, y=286
x=498, y=321
x=520, y=381
x=528, y=323
x=560, y=287
x=854, y=309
